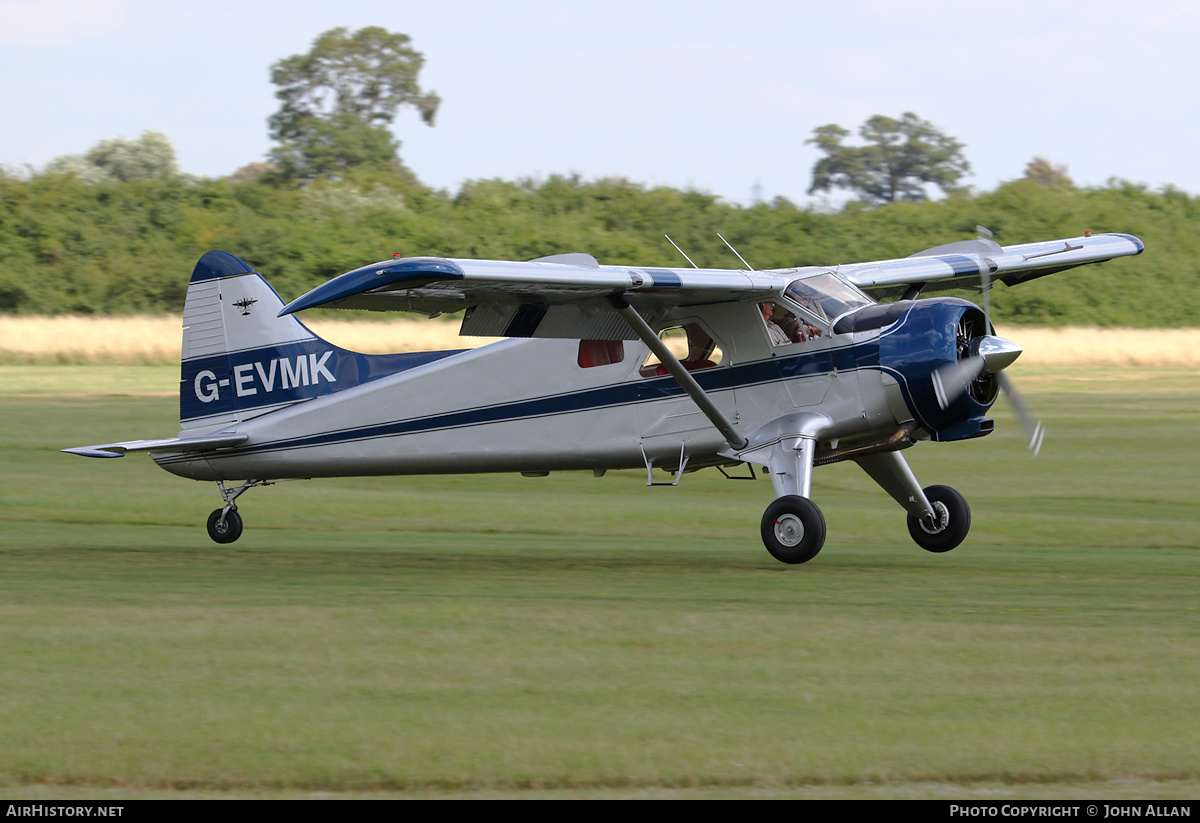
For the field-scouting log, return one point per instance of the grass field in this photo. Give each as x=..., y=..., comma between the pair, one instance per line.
x=572, y=636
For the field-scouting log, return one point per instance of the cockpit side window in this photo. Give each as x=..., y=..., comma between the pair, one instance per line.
x=694, y=347
x=784, y=327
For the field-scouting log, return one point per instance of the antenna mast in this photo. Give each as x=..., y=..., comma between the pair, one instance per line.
x=681, y=251
x=735, y=251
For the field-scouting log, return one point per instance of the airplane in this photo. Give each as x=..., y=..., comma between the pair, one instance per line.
x=607, y=367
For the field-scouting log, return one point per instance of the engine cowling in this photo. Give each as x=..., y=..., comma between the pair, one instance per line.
x=944, y=358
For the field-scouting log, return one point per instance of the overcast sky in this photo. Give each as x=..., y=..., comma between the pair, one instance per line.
x=716, y=96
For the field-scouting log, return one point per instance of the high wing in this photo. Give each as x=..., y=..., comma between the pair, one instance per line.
x=963, y=265
x=566, y=296
x=562, y=296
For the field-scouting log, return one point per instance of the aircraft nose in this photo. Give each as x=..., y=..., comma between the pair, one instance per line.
x=996, y=352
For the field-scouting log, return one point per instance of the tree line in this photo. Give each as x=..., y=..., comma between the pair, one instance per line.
x=128, y=246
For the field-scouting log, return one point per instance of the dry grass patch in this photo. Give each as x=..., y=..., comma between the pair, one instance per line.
x=130, y=341
x=155, y=340
x=1076, y=345
x=137, y=340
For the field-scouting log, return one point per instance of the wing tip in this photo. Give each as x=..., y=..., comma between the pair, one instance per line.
x=409, y=271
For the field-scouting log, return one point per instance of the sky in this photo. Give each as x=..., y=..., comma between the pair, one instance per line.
x=715, y=96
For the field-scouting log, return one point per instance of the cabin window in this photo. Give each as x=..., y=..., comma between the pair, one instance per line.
x=600, y=353
x=783, y=327
x=694, y=347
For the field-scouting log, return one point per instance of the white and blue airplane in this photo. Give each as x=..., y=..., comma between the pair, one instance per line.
x=610, y=367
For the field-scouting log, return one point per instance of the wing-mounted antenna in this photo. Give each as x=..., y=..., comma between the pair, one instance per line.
x=681, y=251
x=723, y=240
x=735, y=251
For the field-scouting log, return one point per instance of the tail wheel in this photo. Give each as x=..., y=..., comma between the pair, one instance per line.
x=793, y=529
x=950, y=523
x=227, y=529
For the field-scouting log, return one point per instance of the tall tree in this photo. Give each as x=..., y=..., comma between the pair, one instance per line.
x=899, y=159
x=339, y=99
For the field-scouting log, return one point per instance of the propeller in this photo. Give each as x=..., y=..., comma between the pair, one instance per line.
x=982, y=357
x=1034, y=430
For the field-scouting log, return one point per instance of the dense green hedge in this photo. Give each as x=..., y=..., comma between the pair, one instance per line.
x=120, y=247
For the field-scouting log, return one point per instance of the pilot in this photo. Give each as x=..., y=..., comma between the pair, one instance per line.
x=778, y=336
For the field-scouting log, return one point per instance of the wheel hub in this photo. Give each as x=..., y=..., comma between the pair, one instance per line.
x=940, y=520
x=789, y=530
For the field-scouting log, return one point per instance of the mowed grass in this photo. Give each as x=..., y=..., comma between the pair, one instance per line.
x=567, y=635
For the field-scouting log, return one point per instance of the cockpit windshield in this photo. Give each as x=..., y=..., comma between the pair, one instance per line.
x=826, y=296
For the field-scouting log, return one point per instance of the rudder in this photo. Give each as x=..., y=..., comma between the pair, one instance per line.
x=239, y=358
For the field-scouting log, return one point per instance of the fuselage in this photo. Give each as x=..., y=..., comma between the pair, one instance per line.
x=531, y=405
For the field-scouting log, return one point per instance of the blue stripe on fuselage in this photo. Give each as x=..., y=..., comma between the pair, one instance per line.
x=274, y=375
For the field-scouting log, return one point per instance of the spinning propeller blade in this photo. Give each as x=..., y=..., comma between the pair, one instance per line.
x=952, y=380
x=1034, y=430
x=991, y=355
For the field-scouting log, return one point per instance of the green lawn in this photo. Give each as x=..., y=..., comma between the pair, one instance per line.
x=574, y=636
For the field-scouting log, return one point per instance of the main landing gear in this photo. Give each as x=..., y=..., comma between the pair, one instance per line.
x=225, y=524
x=793, y=528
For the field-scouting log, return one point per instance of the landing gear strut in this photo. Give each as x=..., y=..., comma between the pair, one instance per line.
x=225, y=524
x=938, y=516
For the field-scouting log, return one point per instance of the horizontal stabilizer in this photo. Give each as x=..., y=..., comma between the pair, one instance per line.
x=170, y=444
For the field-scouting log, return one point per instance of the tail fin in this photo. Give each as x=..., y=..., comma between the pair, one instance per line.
x=240, y=359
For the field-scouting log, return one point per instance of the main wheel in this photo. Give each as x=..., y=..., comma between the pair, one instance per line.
x=793, y=529
x=951, y=524
x=227, y=531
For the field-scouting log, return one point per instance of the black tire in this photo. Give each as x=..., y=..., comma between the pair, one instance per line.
x=228, y=531
x=954, y=521
x=793, y=529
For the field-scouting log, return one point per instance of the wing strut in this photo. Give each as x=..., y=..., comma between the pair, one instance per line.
x=676, y=369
